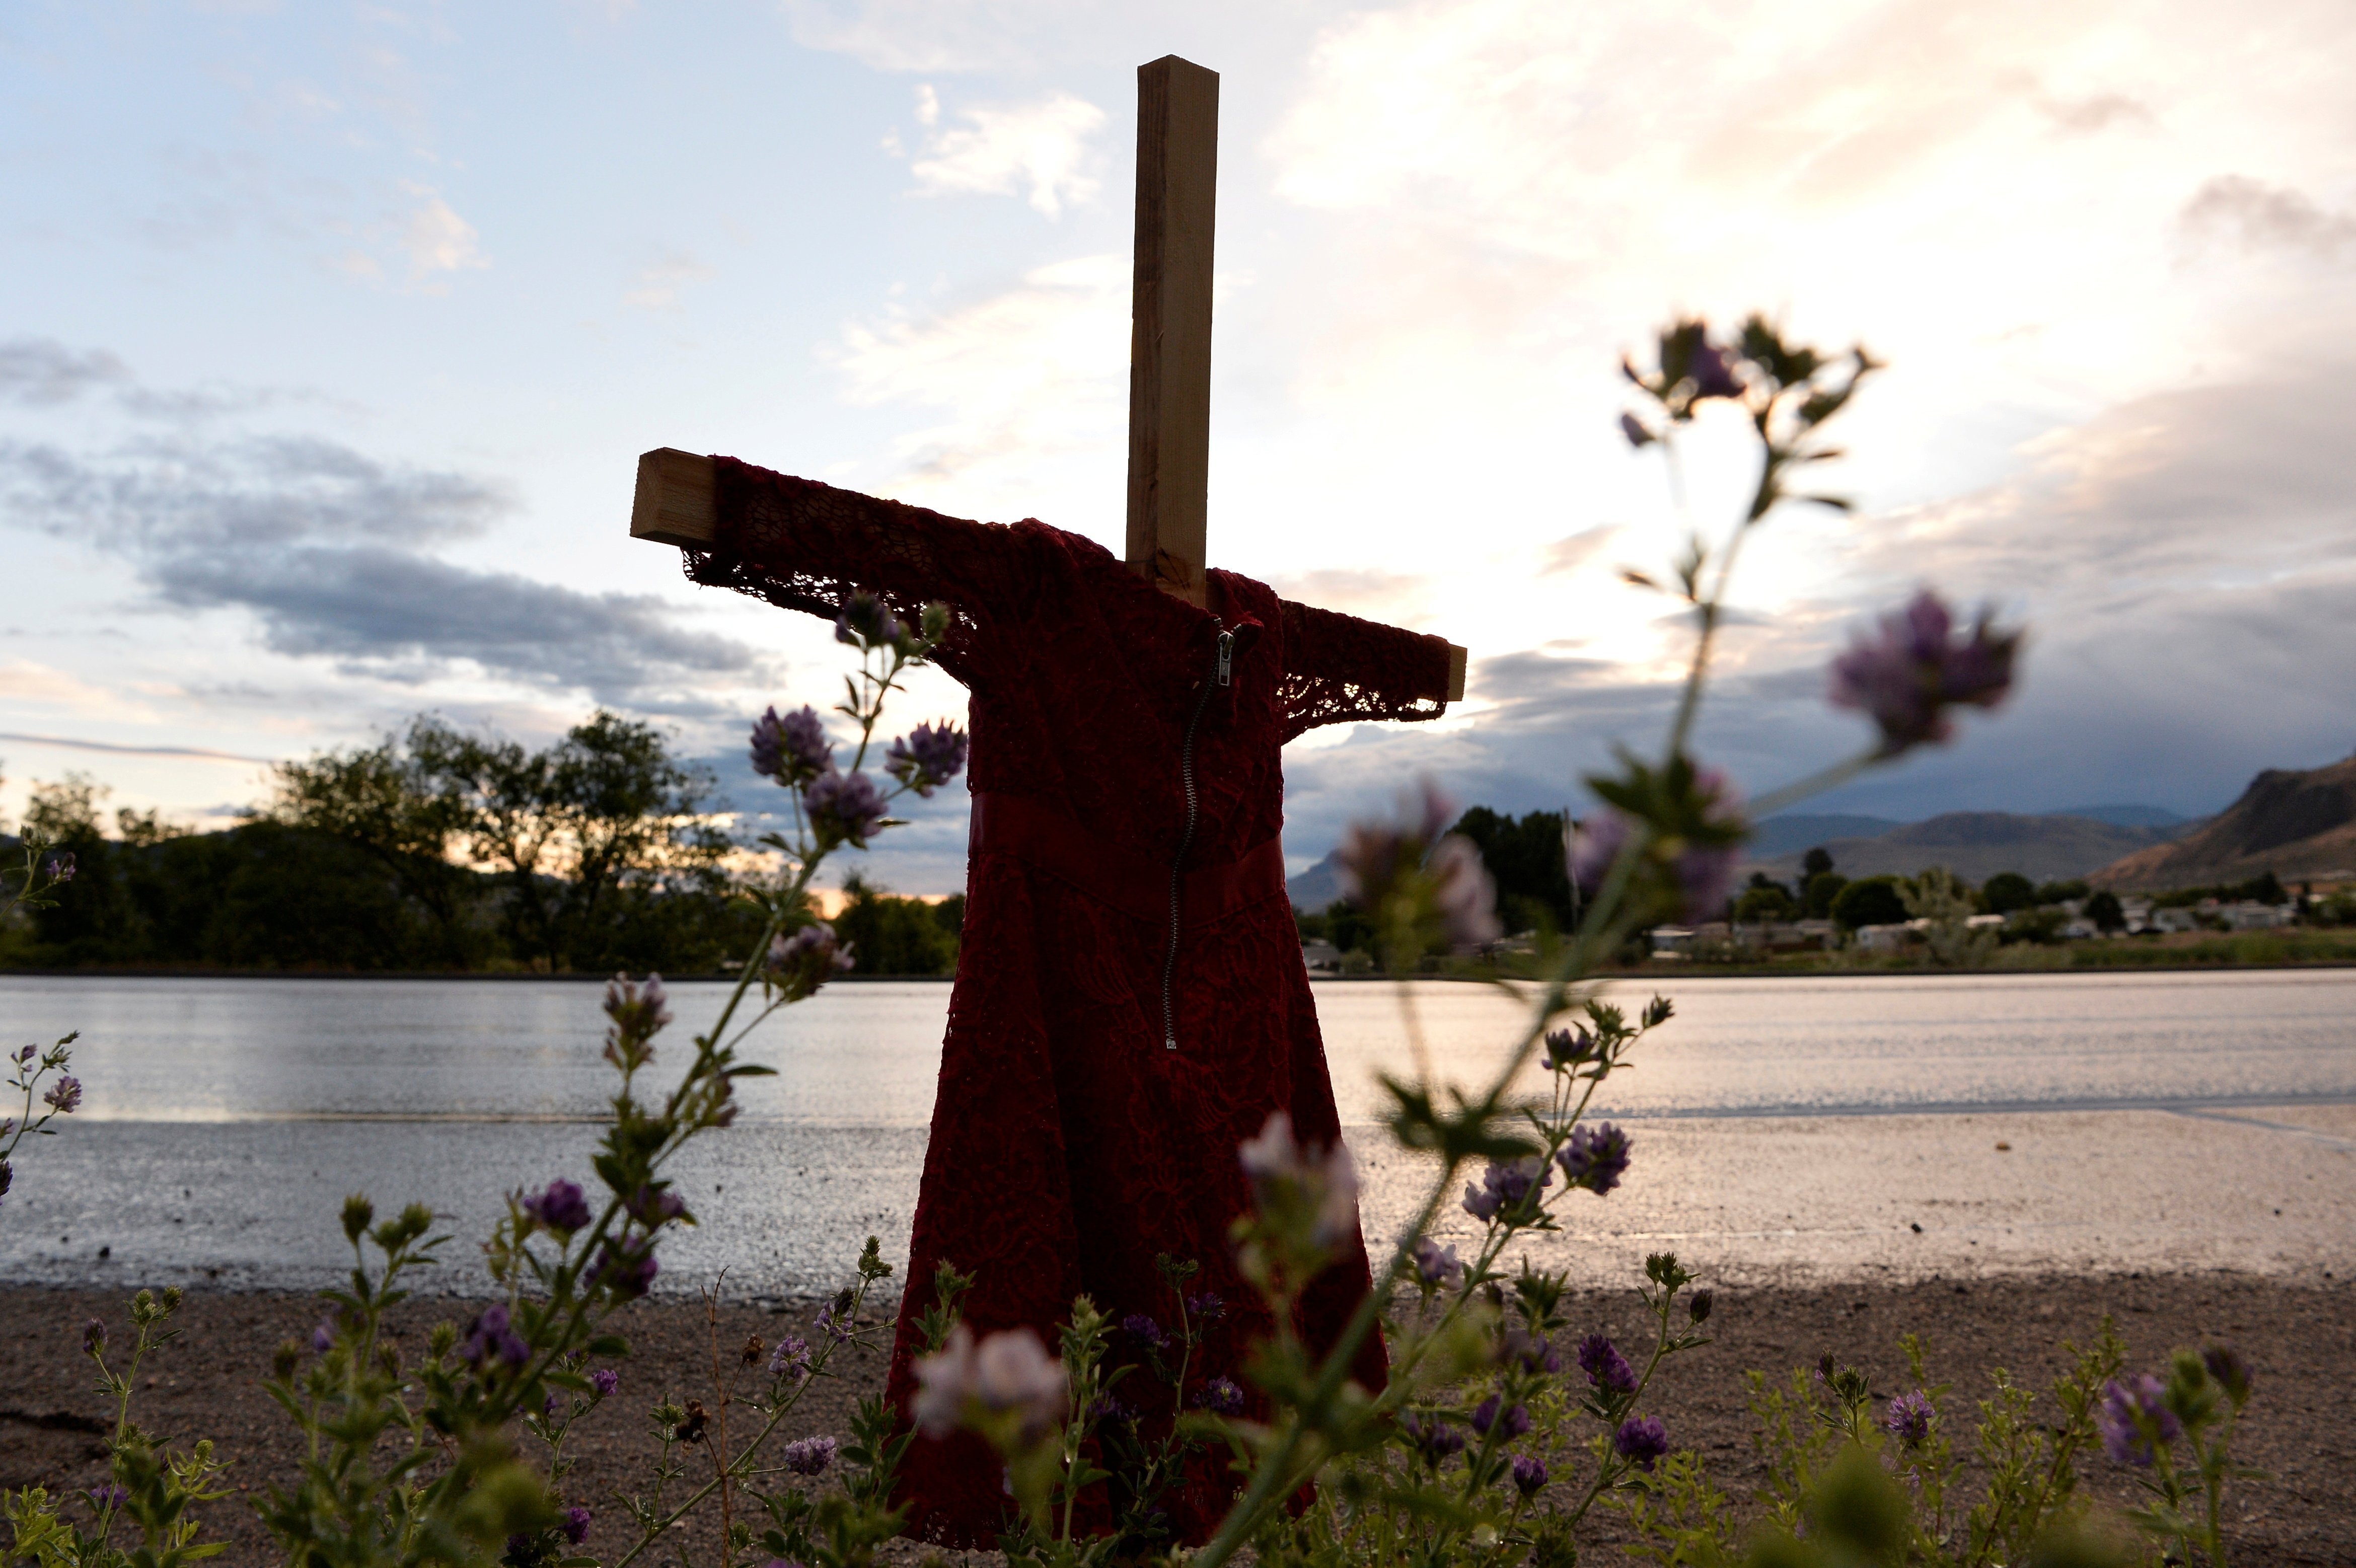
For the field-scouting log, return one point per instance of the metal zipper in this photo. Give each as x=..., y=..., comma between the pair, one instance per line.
x=1223, y=660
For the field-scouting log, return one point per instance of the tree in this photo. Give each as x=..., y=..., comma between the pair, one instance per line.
x=2061, y=892
x=1525, y=858
x=1824, y=888
x=1869, y=901
x=892, y=936
x=1814, y=864
x=1764, y=900
x=388, y=804
x=1943, y=901
x=2104, y=910
x=580, y=831
x=1348, y=928
x=2006, y=891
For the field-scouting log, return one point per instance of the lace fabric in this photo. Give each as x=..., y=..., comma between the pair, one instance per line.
x=1068, y=1147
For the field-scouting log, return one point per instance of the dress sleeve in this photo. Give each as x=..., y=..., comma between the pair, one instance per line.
x=1340, y=669
x=805, y=546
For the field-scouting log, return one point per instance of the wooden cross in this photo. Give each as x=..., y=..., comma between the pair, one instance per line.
x=1168, y=357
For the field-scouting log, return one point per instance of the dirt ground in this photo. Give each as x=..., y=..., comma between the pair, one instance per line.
x=2300, y=1338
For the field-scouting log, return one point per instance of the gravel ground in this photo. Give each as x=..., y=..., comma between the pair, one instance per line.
x=2301, y=1337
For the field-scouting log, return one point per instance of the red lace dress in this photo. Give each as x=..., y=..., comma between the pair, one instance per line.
x=1094, y=1083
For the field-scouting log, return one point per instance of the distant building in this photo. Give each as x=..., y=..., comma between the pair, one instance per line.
x=1320, y=954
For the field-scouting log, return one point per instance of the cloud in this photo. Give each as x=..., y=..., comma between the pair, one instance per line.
x=110, y=747
x=38, y=372
x=2098, y=112
x=1041, y=148
x=436, y=239
x=1565, y=556
x=326, y=547
x=176, y=496
x=406, y=617
x=2185, y=564
x=2265, y=217
x=1396, y=598
x=925, y=35
x=658, y=287
x=1030, y=375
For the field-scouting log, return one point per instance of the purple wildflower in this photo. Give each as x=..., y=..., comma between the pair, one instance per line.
x=637, y=1010
x=1436, y=1265
x=845, y=808
x=489, y=1339
x=1908, y=676
x=1505, y=1184
x=1433, y=1437
x=1596, y=1157
x=1464, y=892
x=1285, y=1174
x=1908, y=1419
x=790, y=1356
x=1705, y=871
x=563, y=1207
x=1373, y=855
x=108, y=1497
x=1530, y=1350
x=1529, y=1474
x=1208, y=1306
x=64, y=1095
x=810, y=1456
x=1510, y=1425
x=604, y=1381
x=2134, y=1415
x=61, y=867
x=655, y=1205
x=1569, y=1047
x=808, y=958
x=1605, y=1367
x=628, y=1269
x=28, y=1054
x=2230, y=1369
x=863, y=622
x=835, y=1324
x=1220, y=1396
x=1144, y=1330
x=1641, y=1439
x=792, y=749
x=574, y=1524
x=1594, y=849
x=1711, y=373
x=927, y=757
x=1635, y=429
x=1007, y=1371
x=323, y=1338
x=93, y=1338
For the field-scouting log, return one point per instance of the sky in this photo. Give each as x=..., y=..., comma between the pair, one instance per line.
x=329, y=336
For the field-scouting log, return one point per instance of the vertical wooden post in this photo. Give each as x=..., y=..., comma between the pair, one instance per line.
x=1170, y=323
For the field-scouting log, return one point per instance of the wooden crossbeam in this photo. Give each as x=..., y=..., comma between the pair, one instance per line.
x=1168, y=365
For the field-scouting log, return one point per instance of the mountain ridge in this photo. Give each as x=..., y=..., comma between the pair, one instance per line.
x=2299, y=824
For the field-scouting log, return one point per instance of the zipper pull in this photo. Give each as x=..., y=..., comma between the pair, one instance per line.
x=1226, y=656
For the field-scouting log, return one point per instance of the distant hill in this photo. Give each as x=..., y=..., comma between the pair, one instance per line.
x=2126, y=815
x=2296, y=825
x=1977, y=845
x=1317, y=886
x=1799, y=831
